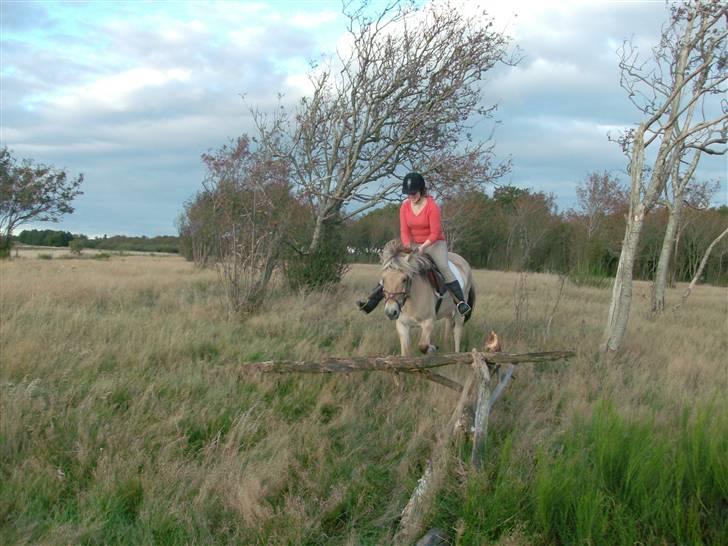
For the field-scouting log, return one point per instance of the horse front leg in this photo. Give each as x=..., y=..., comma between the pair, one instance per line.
x=425, y=345
x=457, y=332
x=404, y=338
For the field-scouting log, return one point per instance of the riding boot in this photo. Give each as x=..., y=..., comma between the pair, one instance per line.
x=372, y=301
x=457, y=292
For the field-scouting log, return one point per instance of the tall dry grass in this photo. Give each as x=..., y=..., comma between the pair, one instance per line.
x=127, y=415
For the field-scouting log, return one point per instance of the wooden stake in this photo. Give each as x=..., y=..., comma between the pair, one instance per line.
x=421, y=500
x=482, y=410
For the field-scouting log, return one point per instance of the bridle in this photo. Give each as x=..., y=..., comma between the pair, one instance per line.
x=394, y=296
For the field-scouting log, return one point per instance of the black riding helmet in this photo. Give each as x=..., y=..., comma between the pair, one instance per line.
x=413, y=183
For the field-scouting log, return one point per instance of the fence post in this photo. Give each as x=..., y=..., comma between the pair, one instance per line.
x=482, y=410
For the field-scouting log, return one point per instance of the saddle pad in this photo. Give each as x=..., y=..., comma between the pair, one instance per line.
x=458, y=275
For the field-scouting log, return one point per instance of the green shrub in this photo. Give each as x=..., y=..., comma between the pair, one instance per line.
x=324, y=266
x=588, y=278
x=76, y=246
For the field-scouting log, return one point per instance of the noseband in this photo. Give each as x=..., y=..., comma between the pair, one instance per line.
x=404, y=294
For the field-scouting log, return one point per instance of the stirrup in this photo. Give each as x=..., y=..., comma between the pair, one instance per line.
x=463, y=308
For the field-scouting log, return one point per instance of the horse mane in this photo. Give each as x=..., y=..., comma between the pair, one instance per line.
x=396, y=256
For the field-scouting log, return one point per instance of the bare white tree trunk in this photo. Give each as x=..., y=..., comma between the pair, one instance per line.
x=659, y=286
x=316, y=237
x=622, y=290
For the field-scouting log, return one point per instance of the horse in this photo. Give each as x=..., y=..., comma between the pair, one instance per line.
x=411, y=300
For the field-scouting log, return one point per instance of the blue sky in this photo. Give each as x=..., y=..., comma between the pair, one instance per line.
x=131, y=93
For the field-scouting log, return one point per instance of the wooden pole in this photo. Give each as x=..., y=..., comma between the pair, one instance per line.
x=419, y=504
x=439, y=379
x=482, y=410
x=396, y=363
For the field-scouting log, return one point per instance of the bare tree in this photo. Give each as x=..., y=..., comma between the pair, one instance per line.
x=196, y=227
x=701, y=267
x=251, y=209
x=676, y=197
x=32, y=192
x=454, y=188
x=598, y=196
x=697, y=198
x=402, y=95
x=527, y=217
x=676, y=89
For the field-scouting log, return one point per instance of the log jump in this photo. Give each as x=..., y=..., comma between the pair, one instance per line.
x=476, y=394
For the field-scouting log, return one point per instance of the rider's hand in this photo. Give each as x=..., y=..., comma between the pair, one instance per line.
x=421, y=249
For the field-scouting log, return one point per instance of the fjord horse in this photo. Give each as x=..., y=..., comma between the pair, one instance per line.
x=411, y=300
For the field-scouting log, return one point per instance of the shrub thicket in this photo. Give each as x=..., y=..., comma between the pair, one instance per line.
x=324, y=266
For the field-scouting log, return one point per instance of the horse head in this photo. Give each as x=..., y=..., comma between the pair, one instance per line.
x=399, y=265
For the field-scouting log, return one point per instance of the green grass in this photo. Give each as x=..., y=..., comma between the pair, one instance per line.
x=127, y=416
x=606, y=480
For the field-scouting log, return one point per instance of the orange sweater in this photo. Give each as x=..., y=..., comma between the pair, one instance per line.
x=420, y=227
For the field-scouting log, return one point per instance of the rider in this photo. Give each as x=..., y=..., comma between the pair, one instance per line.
x=420, y=228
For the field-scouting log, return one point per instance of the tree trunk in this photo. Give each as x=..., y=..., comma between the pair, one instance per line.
x=622, y=289
x=6, y=243
x=316, y=238
x=663, y=264
x=674, y=274
x=326, y=212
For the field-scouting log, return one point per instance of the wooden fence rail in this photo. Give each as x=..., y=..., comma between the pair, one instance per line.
x=398, y=363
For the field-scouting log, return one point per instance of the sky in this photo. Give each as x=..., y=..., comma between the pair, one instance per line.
x=132, y=93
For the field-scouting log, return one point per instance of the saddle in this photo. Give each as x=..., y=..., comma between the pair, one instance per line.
x=437, y=281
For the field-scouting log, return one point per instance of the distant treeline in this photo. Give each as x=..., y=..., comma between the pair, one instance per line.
x=49, y=237
x=521, y=230
x=517, y=229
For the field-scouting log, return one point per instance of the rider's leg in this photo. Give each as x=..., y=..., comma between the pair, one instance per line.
x=457, y=291
x=438, y=253
x=373, y=300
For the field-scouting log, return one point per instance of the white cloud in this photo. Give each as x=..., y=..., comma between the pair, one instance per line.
x=114, y=92
x=313, y=20
x=300, y=84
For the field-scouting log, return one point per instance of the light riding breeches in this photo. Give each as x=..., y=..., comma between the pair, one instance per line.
x=438, y=253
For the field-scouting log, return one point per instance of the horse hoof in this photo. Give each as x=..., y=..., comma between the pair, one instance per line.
x=431, y=349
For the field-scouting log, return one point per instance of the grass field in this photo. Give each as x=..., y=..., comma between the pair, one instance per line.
x=127, y=416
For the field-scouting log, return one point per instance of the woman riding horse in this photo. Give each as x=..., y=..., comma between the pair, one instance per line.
x=420, y=227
